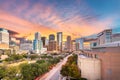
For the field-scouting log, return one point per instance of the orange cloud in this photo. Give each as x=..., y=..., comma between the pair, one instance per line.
x=46, y=20
x=21, y=26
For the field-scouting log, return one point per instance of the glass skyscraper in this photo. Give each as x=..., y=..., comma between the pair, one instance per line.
x=37, y=43
x=59, y=40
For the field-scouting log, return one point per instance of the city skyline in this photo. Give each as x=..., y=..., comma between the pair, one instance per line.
x=82, y=18
x=59, y=39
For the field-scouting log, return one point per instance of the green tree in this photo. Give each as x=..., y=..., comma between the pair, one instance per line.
x=33, y=69
x=11, y=73
x=74, y=71
x=40, y=61
x=70, y=69
x=26, y=72
x=2, y=72
x=33, y=56
x=64, y=71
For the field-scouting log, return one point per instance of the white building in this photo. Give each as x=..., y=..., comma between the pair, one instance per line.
x=4, y=36
x=26, y=45
x=90, y=67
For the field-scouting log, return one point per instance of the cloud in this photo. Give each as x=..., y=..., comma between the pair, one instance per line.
x=21, y=26
x=76, y=19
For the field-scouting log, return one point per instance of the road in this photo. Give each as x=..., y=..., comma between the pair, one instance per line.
x=54, y=74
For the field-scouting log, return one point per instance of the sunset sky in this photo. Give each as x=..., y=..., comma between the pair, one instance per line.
x=72, y=17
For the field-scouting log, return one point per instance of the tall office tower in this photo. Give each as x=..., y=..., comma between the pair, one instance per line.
x=52, y=43
x=37, y=43
x=51, y=37
x=4, y=36
x=52, y=46
x=44, y=40
x=37, y=36
x=69, y=43
x=59, y=40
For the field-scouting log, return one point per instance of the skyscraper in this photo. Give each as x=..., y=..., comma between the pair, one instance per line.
x=44, y=41
x=51, y=37
x=59, y=40
x=52, y=46
x=69, y=43
x=37, y=43
x=4, y=36
x=52, y=43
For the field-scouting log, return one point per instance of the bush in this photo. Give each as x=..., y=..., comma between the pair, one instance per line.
x=33, y=56
x=9, y=59
x=14, y=57
x=40, y=61
x=45, y=56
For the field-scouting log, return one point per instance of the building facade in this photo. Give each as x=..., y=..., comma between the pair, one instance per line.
x=59, y=40
x=109, y=56
x=69, y=43
x=44, y=40
x=37, y=43
x=26, y=45
x=51, y=37
x=4, y=36
x=116, y=37
x=52, y=46
x=105, y=37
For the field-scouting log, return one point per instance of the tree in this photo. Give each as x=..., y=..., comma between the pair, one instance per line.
x=74, y=71
x=2, y=72
x=31, y=71
x=26, y=72
x=11, y=73
x=40, y=61
x=34, y=56
x=64, y=71
x=70, y=69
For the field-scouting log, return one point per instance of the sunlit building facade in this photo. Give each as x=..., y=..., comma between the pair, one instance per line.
x=37, y=43
x=69, y=43
x=26, y=45
x=4, y=36
x=52, y=46
x=59, y=40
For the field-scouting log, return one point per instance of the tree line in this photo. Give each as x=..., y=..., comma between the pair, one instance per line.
x=70, y=70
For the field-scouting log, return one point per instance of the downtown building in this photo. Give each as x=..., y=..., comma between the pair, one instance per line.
x=52, y=43
x=37, y=43
x=45, y=42
x=69, y=44
x=51, y=37
x=88, y=42
x=4, y=39
x=103, y=62
x=59, y=41
x=26, y=45
x=102, y=57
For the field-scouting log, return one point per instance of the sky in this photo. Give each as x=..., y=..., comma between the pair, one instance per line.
x=77, y=18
